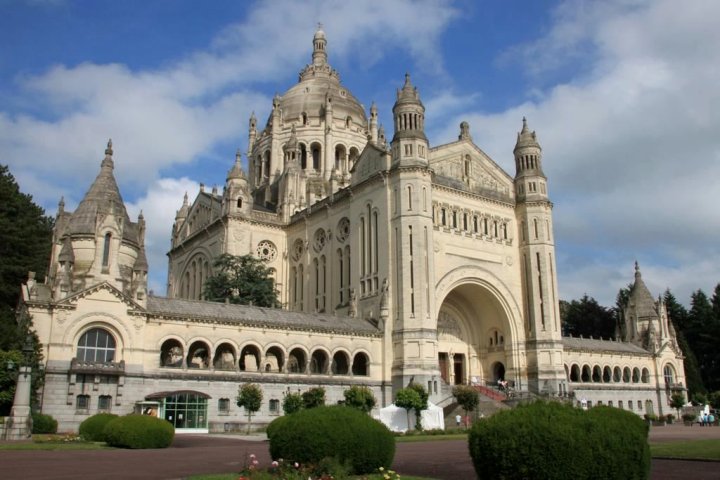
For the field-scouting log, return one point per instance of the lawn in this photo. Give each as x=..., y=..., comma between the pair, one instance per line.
x=708, y=449
x=54, y=442
x=234, y=476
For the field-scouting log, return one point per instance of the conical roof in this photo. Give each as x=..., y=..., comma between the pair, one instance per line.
x=102, y=198
x=641, y=298
x=236, y=171
x=526, y=138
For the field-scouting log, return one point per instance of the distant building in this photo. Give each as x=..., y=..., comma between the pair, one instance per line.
x=395, y=262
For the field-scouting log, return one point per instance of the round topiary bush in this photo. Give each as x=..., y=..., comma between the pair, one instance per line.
x=339, y=432
x=92, y=428
x=43, y=423
x=139, y=431
x=554, y=440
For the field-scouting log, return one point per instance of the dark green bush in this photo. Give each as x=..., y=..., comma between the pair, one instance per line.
x=92, y=428
x=339, y=432
x=552, y=440
x=139, y=431
x=43, y=423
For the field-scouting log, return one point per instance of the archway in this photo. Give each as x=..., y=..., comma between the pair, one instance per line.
x=474, y=335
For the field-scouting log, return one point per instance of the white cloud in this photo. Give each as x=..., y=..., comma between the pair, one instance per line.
x=629, y=145
x=159, y=205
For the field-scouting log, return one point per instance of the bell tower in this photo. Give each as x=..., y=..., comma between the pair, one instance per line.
x=539, y=279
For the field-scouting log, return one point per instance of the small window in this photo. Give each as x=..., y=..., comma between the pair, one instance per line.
x=274, y=405
x=106, y=251
x=104, y=402
x=239, y=203
x=620, y=404
x=82, y=402
x=223, y=405
x=630, y=404
x=610, y=403
x=639, y=404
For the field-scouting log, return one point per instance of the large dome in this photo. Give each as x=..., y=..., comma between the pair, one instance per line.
x=317, y=81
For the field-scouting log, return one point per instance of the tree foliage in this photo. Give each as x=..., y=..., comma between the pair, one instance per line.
x=315, y=397
x=360, y=397
x=250, y=398
x=293, y=402
x=244, y=280
x=586, y=317
x=467, y=397
x=677, y=401
x=25, y=239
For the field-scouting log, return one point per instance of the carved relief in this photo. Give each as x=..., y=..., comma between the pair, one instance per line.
x=449, y=327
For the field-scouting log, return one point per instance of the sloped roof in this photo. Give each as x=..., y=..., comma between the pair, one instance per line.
x=258, y=316
x=596, y=345
x=640, y=297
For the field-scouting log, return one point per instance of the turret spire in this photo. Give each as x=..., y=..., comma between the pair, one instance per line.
x=319, y=47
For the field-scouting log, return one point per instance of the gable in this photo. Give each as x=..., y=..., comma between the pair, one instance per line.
x=103, y=293
x=472, y=169
x=371, y=160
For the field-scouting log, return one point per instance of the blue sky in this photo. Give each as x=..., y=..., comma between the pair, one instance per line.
x=623, y=95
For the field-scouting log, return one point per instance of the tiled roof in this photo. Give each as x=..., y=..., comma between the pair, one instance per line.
x=258, y=316
x=595, y=345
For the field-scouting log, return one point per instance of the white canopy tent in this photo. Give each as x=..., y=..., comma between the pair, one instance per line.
x=396, y=418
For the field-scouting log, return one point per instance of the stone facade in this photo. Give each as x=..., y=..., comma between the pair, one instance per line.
x=394, y=261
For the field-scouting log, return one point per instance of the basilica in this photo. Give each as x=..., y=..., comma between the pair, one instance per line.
x=395, y=261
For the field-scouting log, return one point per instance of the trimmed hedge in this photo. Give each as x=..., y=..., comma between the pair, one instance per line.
x=43, y=423
x=339, y=432
x=92, y=428
x=139, y=431
x=554, y=440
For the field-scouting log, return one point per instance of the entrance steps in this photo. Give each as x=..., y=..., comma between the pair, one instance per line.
x=487, y=406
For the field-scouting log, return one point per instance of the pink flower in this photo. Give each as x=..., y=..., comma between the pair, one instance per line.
x=296, y=465
x=255, y=462
x=252, y=455
x=275, y=464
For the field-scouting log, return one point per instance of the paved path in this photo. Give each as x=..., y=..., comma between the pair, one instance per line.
x=195, y=454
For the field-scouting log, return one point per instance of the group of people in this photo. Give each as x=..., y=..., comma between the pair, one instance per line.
x=706, y=419
x=502, y=384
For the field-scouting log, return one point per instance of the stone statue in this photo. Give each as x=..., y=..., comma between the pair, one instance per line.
x=173, y=357
x=352, y=310
x=384, y=292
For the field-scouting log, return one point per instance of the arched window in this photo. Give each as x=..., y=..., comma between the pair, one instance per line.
x=669, y=374
x=340, y=364
x=96, y=345
x=360, y=364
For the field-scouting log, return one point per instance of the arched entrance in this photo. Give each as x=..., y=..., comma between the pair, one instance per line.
x=474, y=333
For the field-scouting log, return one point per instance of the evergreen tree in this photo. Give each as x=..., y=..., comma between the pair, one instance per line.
x=587, y=317
x=25, y=238
x=702, y=331
x=678, y=315
x=241, y=279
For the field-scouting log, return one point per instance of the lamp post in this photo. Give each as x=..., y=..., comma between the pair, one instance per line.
x=19, y=425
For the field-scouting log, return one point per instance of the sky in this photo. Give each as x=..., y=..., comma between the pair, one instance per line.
x=624, y=96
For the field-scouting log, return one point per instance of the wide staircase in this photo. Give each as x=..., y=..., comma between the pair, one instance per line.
x=491, y=401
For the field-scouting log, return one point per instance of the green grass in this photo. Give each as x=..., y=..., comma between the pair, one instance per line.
x=688, y=449
x=430, y=438
x=54, y=446
x=234, y=476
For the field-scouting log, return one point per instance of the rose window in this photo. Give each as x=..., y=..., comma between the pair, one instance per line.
x=266, y=251
x=343, y=229
x=298, y=249
x=320, y=239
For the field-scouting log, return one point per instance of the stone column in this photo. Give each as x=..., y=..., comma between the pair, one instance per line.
x=19, y=425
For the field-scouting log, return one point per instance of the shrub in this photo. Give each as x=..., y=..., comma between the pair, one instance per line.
x=292, y=403
x=602, y=443
x=92, y=428
x=339, y=432
x=43, y=423
x=689, y=417
x=315, y=397
x=360, y=397
x=139, y=431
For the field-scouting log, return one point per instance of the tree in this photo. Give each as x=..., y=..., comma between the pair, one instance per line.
x=244, y=280
x=588, y=318
x=8, y=379
x=25, y=239
x=422, y=403
x=293, y=402
x=467, y=397
x=678, y=315
x=407, y=398
x=714, y=399
x=315, y=397
x=701, y=334
x=677, y=401
x=250, y=398
x=360, y=397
